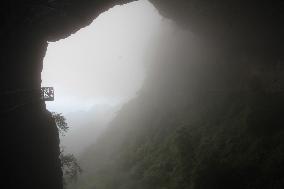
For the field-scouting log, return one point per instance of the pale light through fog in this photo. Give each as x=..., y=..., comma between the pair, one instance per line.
x=104, y=62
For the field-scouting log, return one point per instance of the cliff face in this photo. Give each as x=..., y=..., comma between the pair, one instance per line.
x=231, y=23
x=29, y=136
x=241, y=29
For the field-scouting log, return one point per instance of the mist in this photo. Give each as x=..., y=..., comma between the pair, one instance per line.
x=103, y=63
x=129, y=68
x=151, y=104
x=100, y=68
x=142, y=94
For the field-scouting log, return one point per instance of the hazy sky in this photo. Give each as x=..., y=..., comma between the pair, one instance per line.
x=102, y=63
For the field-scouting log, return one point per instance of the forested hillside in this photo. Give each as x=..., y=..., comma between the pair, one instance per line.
x=199, y=122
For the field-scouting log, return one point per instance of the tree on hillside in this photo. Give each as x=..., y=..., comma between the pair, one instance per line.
x=69, y=164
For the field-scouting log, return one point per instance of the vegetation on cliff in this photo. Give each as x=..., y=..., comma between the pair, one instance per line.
x=184, y=132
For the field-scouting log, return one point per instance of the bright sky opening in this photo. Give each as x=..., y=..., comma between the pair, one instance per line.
x=102, y=63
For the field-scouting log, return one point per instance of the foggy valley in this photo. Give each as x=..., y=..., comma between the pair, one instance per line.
x=147, y=94
x=159, y=108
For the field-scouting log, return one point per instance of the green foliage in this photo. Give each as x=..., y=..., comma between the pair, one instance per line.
x=70, y=167
x=178, y=134
x=60, y=121
x=166, y=149
x=69, y=164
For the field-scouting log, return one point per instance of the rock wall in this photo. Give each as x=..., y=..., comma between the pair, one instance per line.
x=243, y=29
x=29, y=136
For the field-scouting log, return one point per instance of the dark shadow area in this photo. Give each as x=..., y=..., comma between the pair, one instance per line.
x=212, y=119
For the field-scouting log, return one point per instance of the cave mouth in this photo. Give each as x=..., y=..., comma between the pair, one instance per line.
x=100, y=68
x=103, y=63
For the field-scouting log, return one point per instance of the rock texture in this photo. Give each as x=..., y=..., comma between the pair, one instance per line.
x=29, y=136
x=242, y=29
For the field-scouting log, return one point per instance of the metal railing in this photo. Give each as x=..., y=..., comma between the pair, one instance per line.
x=44, y=93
